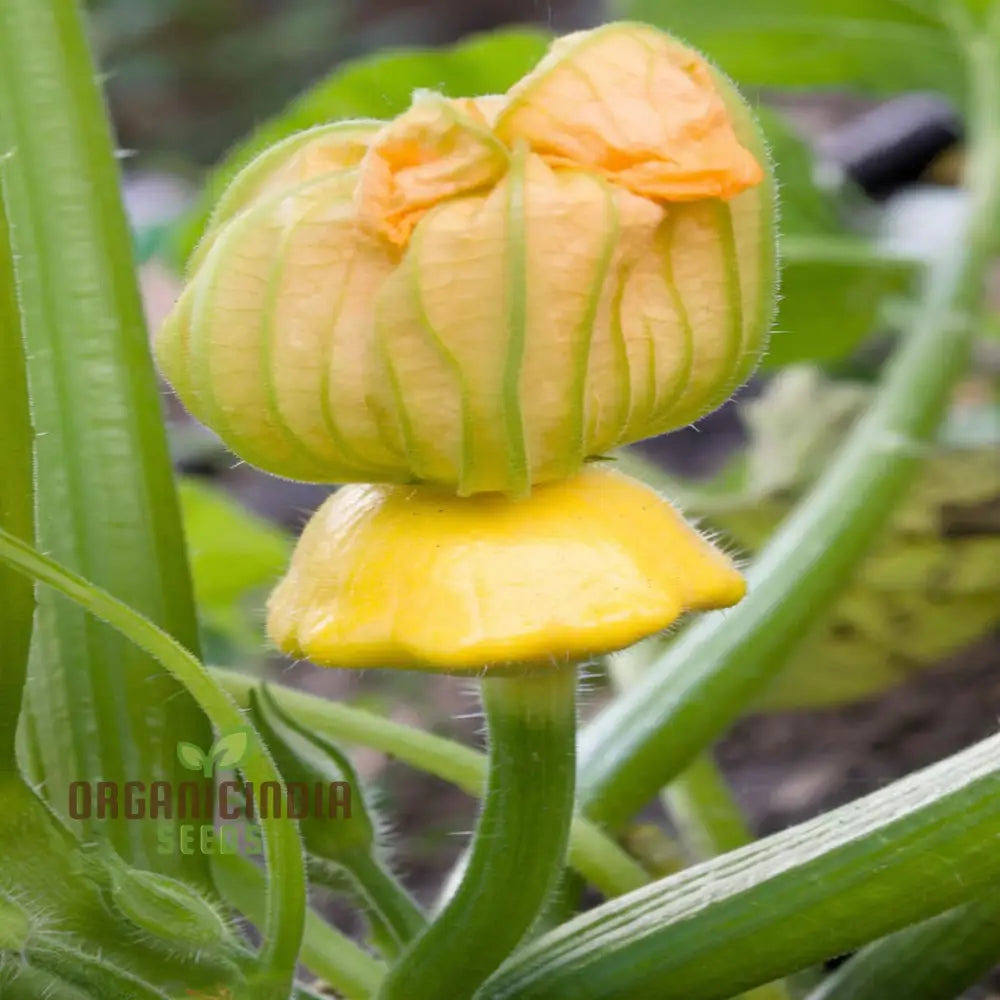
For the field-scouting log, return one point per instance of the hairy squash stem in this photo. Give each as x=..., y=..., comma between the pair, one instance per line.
x=327, y=953
x=707, y=677
x=519, y=845
x=398, y=917
x=284, y=915
x=591, y=852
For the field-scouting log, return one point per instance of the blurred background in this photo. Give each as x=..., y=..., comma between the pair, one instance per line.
x=904, y=670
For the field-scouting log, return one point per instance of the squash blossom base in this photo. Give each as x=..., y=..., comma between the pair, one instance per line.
x=415, y=577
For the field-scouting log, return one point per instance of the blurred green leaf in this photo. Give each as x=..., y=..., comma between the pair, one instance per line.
x=806, y=208
x=876, y=46
x=834, y=284
x=381, y=86
x=833, y=291
x=234, y=555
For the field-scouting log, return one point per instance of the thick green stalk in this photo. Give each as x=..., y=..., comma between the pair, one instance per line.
x=96, y=708
x=784, y=903
x=708, y=676
x=286, y=897
x=519, y=846
x=591, y=852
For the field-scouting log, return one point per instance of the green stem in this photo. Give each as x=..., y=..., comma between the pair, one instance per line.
x=591, y=852
x=702, y=808
x=336, y=959
x=397, y=911
x=707, y=677
x=519, y=846
x=285, y=911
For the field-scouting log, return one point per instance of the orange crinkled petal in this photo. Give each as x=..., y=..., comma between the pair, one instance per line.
x=639, y=107
x=436, y=150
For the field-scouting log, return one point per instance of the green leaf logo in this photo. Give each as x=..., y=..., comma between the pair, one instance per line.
x=192, y=757
x=227, y=751
x=230, y=749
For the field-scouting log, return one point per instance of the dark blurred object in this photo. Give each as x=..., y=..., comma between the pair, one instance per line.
x=894, y=144
x=700, y=450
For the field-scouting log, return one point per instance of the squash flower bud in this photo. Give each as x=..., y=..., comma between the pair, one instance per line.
x=484, y=293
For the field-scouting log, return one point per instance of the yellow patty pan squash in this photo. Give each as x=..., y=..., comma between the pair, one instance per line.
x=413, y=576
x=484, y=293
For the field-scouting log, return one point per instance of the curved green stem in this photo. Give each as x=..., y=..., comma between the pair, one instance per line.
x=336, y=959
x=396, y=909
x=703, y=810
x=285, y=911
x=591, y=852
x=519, y=845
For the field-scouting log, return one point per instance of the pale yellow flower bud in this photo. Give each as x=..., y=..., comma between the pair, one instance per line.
x=484, y=293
